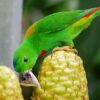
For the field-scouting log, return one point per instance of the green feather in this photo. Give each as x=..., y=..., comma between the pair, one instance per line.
x=59, y=21
x=57, y=29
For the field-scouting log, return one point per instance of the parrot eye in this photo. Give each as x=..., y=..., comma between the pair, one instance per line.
x=25, y=59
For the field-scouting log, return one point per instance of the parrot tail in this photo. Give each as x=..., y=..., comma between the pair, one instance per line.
x=76, y=28
x=92, y=12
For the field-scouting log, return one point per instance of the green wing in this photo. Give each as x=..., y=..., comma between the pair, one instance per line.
x=59, y=21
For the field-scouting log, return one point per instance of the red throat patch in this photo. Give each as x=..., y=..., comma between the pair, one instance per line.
x=42, y=53
x=93, y=11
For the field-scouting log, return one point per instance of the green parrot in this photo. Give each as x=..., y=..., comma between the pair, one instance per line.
x=57, y=29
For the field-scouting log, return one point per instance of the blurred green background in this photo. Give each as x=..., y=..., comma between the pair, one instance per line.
x=87, y=43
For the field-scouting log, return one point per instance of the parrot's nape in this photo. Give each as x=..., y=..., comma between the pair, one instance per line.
x=58, y=29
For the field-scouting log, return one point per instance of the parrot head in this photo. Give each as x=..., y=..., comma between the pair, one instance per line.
x=24, y=59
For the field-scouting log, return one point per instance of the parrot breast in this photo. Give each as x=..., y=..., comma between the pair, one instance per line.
x=42, y=53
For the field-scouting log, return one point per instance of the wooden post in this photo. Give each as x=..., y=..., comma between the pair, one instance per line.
x=10, y=29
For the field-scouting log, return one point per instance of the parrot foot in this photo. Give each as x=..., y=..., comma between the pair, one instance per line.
x=65, y=48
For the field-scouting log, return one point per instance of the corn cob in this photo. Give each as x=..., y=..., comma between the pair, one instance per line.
x=62, y=77
x=9, y=85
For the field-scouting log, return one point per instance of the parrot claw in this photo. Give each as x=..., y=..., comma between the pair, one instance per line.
x=29, y=79
x=65, y=48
